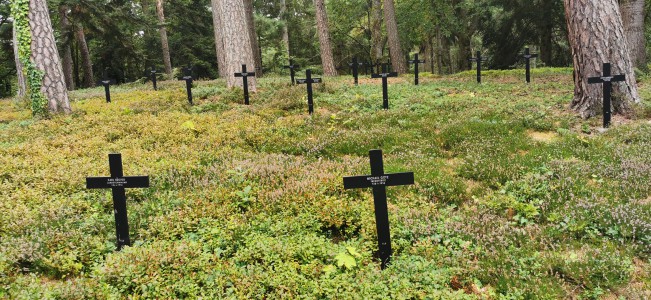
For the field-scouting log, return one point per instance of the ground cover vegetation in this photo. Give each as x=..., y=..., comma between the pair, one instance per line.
x=515, y=196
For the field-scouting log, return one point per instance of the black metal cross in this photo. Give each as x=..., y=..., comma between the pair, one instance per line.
x=355, y=68
x=117, y=183
x=245, y=85
x=527, y=58
x=384, y=75
x=188, y=83
x=379, y=181
x=153, y=78
x=416, y=62
x=478, y=59
x=607, y=81
x=309, y=81
x=292, y=69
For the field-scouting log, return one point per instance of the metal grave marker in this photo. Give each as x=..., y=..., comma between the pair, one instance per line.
x=309, y=81
x=416, y=62
x=153, y=78
x=188, y=83
x=292, y=70
x=245, y=83
x=384, y=75
x=355, y=68
x=607, y=81
x=527, y=58
x=478, y=59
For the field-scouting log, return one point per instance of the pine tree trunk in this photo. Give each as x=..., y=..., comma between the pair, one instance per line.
x=22, y=85
x=86, y=62
x=633, y=18
x=253, y=37
x=376, y=29
x=167, y=62
x=283, y=18
x=327, y=59
x=236, y=42
x=596, y=35
x=45, y=57
x=219, y=38
x=66, y=58
x=397, y=58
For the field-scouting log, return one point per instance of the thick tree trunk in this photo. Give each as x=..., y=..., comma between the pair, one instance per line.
x=22, y=85
x=376, y=30
x=45, y=57
x=219, y=38
x=327, y=59
x=236, y=42
x=596, y=35
x=66, y=58
x=86, y=62
x=633, y=18
x=253, y=37
x=283, y=18
x=167, y=62
x=397, y=58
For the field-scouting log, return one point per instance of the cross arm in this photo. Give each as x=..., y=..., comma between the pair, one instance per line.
x=366, y=181
x=113, y=182
x=247, y=74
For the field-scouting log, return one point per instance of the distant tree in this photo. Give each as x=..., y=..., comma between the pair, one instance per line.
x=66, y=53
x=282, y=15
x=377, y=40
x=253, y=37
x=633, y=17
x=165, y=47
x=22, y=87
x=327, y=59
x=596, y=35
x=397, y=58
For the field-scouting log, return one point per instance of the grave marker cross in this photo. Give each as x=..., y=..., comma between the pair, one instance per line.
x=379, y=181
x=292, y=70
x=478, y=59
x=355, y=68
x=309, y=81
x=245, y=83
x=117, y=183
x=527, y=57
x=188, y=83
x=607, y=81
x=153, y=78
x=384, y=75
x=416, y=62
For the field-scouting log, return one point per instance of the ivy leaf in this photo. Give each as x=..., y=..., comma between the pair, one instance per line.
x=353, y=252
x=345, y=260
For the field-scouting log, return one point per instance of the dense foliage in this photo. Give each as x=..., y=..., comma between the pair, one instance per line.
x=515, y=198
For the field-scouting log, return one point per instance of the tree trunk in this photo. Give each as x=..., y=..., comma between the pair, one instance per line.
x=253, y=37
x=283, y=18
x=45, y=57
x=236, y=44
x=327, y=59
x=86, y=62
x=376, y=29
x=22, y=87
x=633, y=18
x=397, y=58
x=163, y=37
x=596, y=35
x=219, y=39
x=66, y=58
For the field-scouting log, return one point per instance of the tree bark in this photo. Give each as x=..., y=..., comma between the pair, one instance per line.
x=283, y=18
x=66, y=58
x=167, y=62
x=45, y=57
x=596, y=35
x=219, y=39
x=86, y=62
x=327, y=59
x=376, y=29
x=397, y=58
x=22, y=84
x=236, y=45
x=633, y=18
x=253, y=37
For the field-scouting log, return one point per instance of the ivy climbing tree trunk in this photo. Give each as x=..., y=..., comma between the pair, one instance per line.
x=327, y=60
x=236, y=42
x=633, y=18
x=165, y=46
x=45, y=57
x=22, y=87
x=67, y=52
x=596, y=36
x=253, y=37
x=86, y=62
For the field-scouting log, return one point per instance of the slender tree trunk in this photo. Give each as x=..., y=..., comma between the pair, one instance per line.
x=397, y=58
x=327, y=59
x=66, y=58
x=86, y=62
x=283, y=18
x=253, y=37
x=633, y=18
x=219, y=39
x=236, y=42
x=167, y=62
x=376, y=29
x=45, y=57
x=596, y=35
x=22, y=87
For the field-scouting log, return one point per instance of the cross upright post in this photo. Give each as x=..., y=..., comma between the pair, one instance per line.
x=355, y=68
x=188, y=83
x=607, y=79
x=118, y=183
x=385, y=75
x=416, y=62
x=379, y=181
x=245, y=83
x=309, y=81
x=107, y=90
x=153, y=78
x=527, y=57
x=292, y=70
x=478, y=59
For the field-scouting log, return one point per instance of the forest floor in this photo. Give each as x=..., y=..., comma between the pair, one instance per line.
x=514, y=196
